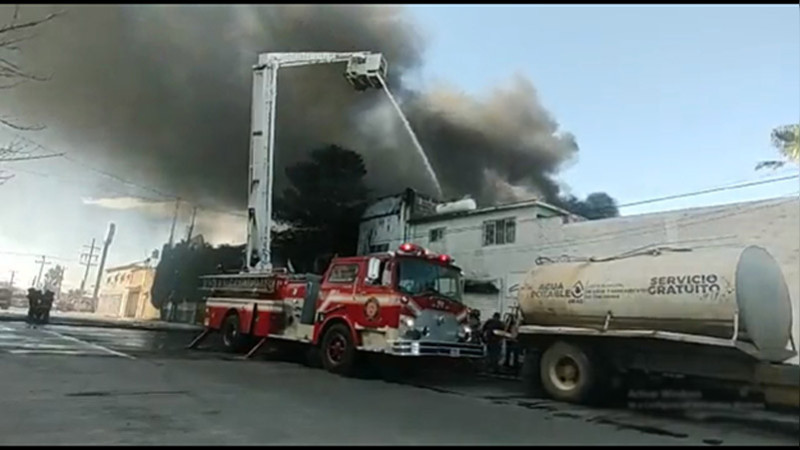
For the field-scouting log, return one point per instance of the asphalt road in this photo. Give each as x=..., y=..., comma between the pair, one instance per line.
x=83, y=385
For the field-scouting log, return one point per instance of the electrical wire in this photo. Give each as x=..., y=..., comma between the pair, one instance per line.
x=632, y=231
x=452, y=230
x=709, y=191
x=163, y=195
x=27, y=254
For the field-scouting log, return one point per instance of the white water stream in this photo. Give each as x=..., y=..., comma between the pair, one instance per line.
x=418, y=146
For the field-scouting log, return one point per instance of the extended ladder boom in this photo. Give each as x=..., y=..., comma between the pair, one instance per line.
x=364, y=70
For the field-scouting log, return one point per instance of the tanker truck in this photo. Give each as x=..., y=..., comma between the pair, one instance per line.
x=715, y=314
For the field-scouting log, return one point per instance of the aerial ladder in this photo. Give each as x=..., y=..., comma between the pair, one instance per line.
x=364, y=70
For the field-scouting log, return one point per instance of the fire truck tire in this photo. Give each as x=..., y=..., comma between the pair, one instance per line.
x=568, y=373
x=232, y=338
x=338, y=352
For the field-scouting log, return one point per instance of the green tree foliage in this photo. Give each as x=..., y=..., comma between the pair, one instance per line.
x=180, y=268
x=323, y=206
x=786, y=139
x=598, y=205
x=53, y=279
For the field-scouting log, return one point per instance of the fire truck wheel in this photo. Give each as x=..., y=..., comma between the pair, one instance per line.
x=568, y=374
x=232, y=338
x=338, y=352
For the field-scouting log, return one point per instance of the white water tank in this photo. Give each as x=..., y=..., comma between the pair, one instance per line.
x=465, y=204
x=695, y=292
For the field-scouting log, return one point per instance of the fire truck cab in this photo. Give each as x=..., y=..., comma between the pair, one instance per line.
x=405, y=303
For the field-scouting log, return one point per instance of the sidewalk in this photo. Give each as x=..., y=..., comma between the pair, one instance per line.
x=77, y=319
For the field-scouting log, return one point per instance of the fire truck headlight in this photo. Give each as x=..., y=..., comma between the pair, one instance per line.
x=464, y=332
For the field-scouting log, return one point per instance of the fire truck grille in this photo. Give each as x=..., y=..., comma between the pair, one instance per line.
x=429, y=348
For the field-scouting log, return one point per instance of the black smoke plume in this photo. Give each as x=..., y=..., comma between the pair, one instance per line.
x=163, y=92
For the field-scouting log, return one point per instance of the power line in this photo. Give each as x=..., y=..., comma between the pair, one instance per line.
x=632, y=231
x=708, y=191
x=75, y=182
x=2, y=252
x=28, y=158
x=452, y=230
x=119, y=179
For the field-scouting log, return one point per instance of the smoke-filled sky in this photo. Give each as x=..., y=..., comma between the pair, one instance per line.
x=161, y=96
x=165, y=91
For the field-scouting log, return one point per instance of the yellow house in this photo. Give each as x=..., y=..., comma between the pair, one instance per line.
x=125, y=292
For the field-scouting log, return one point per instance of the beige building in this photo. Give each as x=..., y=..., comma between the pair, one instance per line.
x=126, y=291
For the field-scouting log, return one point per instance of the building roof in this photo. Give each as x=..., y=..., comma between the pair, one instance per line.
x=491, y=209
x=136, y=265
x=391, y=204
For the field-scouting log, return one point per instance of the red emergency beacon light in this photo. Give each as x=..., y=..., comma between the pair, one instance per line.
x=410, y=248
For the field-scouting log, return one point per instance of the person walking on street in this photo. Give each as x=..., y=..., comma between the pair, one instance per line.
x=493, y=341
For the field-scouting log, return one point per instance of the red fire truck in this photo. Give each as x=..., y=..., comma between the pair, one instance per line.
x=404, y=303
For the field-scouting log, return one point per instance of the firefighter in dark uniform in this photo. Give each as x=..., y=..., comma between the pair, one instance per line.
x=493, y=342
x=34, y=298
x=47, y=304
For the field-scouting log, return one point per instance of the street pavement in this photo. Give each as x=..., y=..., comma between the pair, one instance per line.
x=86, y=385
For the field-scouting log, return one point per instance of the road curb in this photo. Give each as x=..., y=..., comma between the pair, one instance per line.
x=114, y=325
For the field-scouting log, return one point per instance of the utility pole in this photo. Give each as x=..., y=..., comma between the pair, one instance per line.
x=89, y=262
x=174, y=221
x=106, y=243
x=11, y=283
x=43, y=262
x=191, y=225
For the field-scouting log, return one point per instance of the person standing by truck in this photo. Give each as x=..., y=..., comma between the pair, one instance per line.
x=474, y=322
x=512, y=350
x=493, y=342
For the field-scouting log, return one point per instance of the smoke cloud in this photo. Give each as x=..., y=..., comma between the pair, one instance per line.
x=162, y=94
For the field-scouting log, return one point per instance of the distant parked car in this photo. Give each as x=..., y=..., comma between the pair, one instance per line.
x=5, y=298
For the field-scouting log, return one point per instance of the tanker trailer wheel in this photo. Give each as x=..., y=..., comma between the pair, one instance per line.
x=568, y=373
x=338, y=351
x=232, y=337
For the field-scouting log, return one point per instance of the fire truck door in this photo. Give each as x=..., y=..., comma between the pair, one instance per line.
x=371, y=295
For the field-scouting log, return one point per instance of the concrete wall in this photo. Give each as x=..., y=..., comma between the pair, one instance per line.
x=118, y=288
x=773, y=224
x=383, y=226
x=463, y=240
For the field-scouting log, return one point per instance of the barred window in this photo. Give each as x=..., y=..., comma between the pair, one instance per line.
x=499, y=232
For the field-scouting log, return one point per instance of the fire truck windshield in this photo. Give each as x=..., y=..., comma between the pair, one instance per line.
x=419, y=276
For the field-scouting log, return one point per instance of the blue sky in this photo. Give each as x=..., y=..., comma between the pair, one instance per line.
x=662, y=99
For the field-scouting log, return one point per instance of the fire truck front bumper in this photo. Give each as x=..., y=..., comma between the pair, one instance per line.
x=433, y=348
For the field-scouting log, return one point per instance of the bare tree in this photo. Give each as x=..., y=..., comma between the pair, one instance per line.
x=13, y=33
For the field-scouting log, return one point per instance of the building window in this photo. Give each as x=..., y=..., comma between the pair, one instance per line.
x=343, y=273
x=380, y=248
x=436, y=234
x=499, y=232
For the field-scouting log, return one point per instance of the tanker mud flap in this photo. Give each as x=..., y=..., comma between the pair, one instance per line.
x=200, y=337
